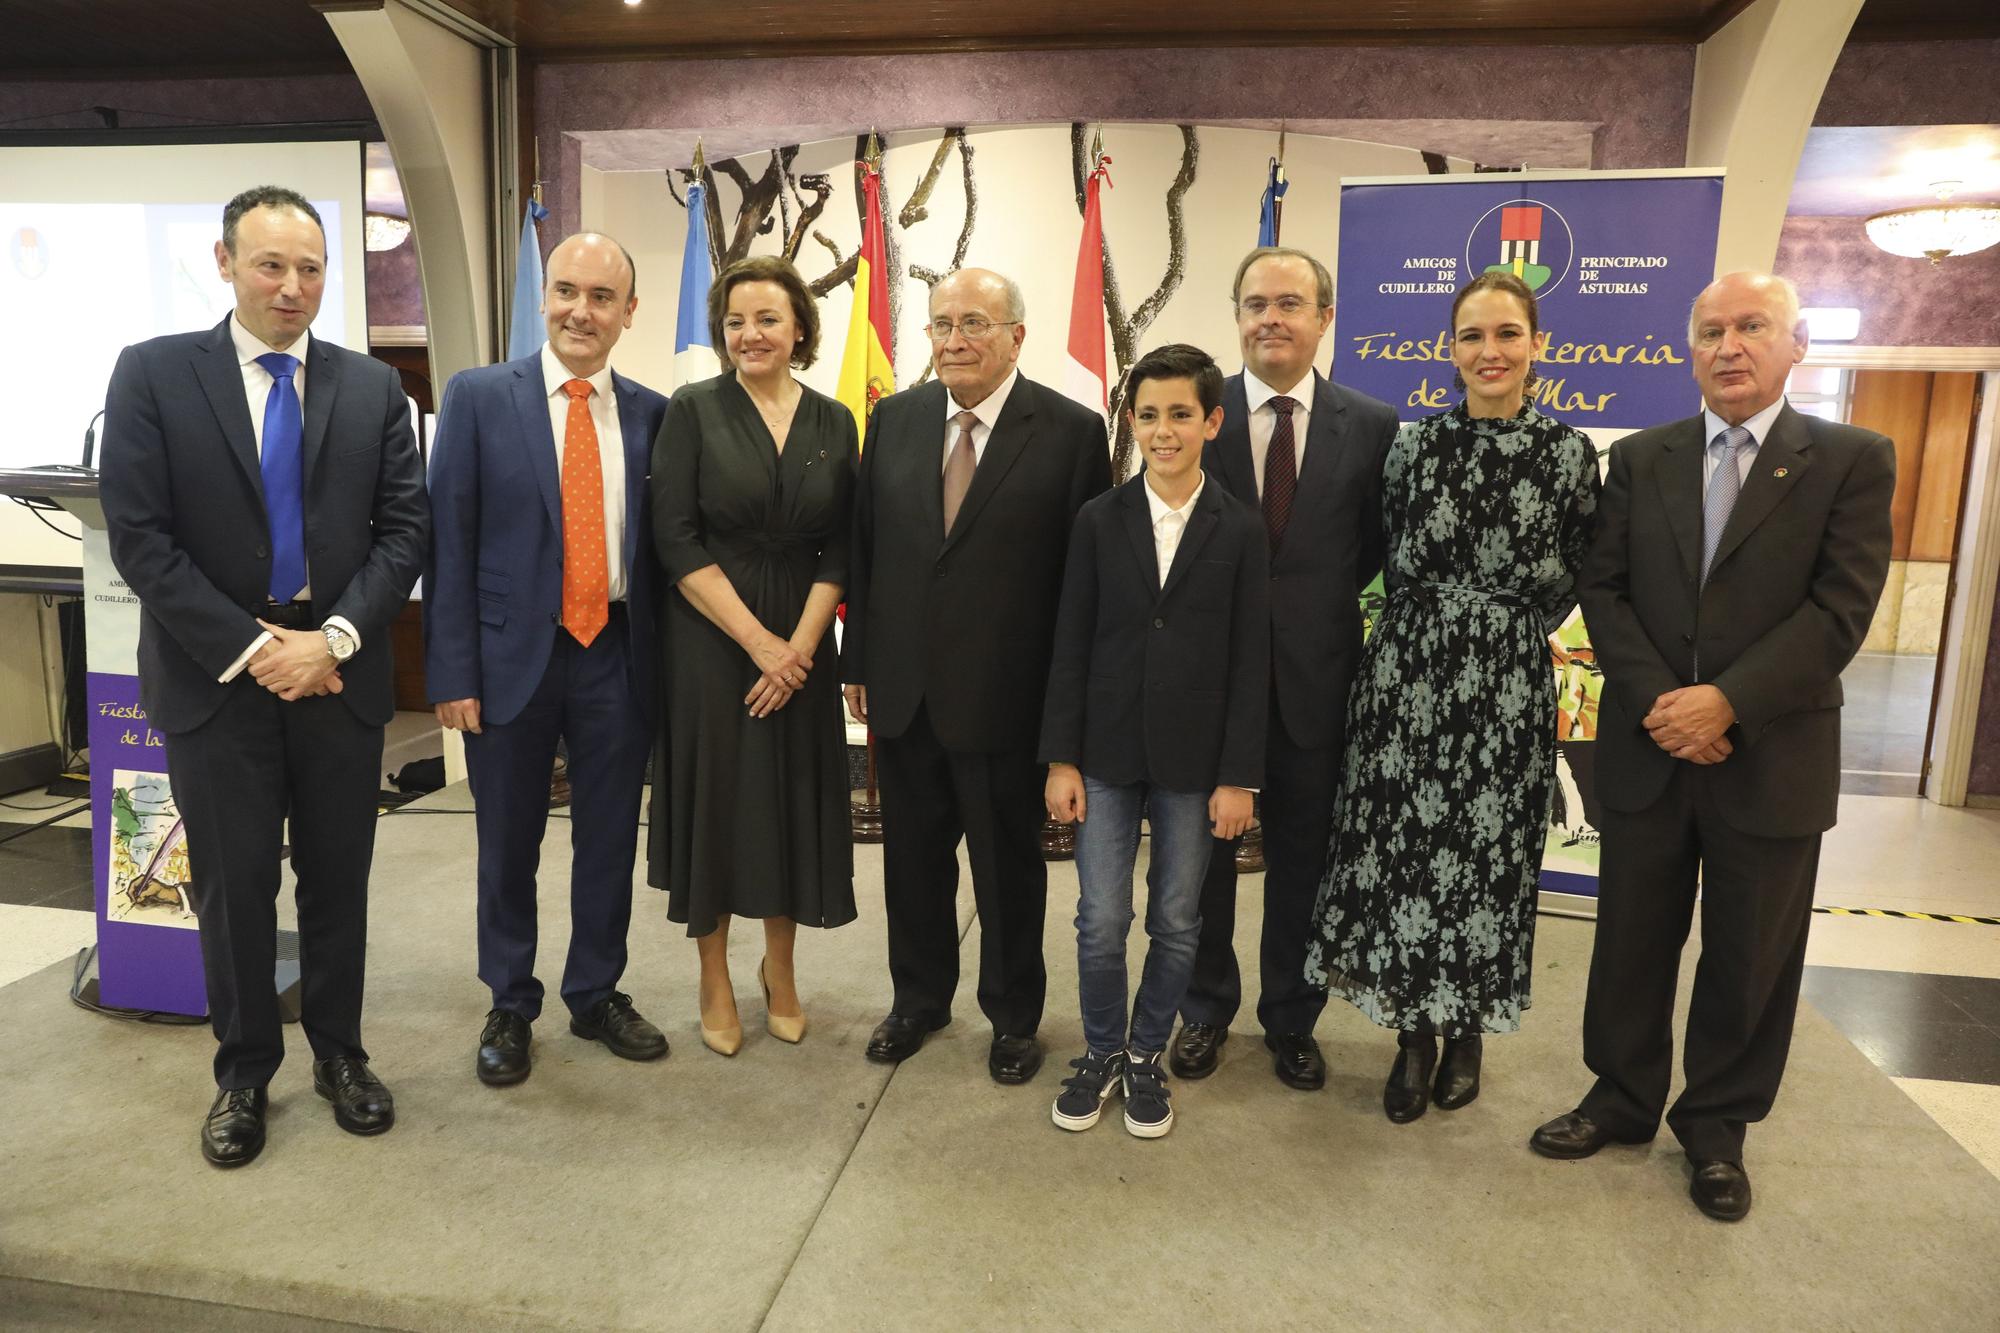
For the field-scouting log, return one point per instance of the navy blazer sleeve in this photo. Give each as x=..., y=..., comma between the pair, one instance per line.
x=1069, y=666
x=451, y=601
x=1247, y=721
x=402, y=519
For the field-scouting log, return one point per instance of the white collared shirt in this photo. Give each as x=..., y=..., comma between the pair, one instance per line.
x=1759, y=427
x=1169, y=524
x=1264, y=420
x=988, y=412
x=257, y=383
x=610, y=453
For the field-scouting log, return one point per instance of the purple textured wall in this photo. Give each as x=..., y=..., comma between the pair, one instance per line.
x=1637, y=95
x=1903, y=302
x=1984, y=779
x=1913, y=83
x=395, y=294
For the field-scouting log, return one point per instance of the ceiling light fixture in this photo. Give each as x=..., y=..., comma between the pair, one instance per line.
x=381, y=231
x=1937, y=231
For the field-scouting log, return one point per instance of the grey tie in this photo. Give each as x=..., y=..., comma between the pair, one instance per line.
x=958, y=468
x=1723, y=489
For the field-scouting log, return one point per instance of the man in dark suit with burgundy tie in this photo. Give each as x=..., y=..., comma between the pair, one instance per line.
x=265, y=501
x=1738, y=558
x=1309, y=454
x=968, y=490
x=538, y=625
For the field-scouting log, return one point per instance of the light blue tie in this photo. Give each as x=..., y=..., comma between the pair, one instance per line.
x=284, y=477
x=1723, y=489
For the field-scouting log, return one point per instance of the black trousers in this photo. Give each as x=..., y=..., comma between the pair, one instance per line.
x=931, y=797
x=236, y=779
x=1756, y=906
x=584, y=697
x=1296, y=809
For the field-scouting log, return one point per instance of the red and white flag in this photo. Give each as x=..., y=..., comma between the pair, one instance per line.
x=1084, y=377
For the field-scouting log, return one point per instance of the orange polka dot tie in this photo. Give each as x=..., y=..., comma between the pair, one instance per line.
x=586, y=581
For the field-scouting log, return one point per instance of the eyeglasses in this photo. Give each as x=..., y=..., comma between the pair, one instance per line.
x=1288, y=306
x=974, y=327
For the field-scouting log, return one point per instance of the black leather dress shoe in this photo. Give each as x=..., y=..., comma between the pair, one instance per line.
x=1458, y=1073
x=1013, y=1059
x=898, y=1037
x=1573, y=1135
x=1196, y=1049
x=233, y=1133
x=503, y=1049
x=1407, y=1094
x=361, y=1105
x=1720, y=1189
x=1298, y=1061
x=613, y=1021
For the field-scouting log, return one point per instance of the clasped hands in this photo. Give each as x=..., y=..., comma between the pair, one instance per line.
x=295, y=664
x=1229, y=808
x=782, y=668
x=1689, y=723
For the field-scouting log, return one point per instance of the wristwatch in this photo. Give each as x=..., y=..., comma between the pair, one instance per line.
x=338, y=642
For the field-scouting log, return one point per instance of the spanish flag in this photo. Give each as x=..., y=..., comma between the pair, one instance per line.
x=866, y=372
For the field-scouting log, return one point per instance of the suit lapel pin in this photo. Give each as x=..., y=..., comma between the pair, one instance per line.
x=1780, y=472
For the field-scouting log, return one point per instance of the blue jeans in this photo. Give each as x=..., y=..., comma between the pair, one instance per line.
x=1107, y=846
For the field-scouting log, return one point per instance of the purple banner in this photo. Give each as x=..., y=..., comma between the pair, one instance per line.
x=148, y=949
x=1614, y=261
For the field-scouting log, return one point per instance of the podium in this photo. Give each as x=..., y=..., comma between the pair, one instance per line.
x=148, y=948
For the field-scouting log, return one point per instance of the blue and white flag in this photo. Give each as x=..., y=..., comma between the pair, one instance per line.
x=1271, y=210
x=694, y=356
x=525, y=331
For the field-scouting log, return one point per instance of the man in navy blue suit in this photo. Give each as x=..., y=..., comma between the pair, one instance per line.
x=265, y=501
x=538, y=626
x=1308, y=453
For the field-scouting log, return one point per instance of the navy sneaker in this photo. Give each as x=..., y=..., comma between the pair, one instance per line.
x=1085, y=1092
x=1149, y=1107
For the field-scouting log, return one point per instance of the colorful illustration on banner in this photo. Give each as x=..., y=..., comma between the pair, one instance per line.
x=1528, y=238
x=151, y=884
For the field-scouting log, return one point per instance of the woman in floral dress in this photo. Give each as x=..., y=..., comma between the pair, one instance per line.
x=1426, y=915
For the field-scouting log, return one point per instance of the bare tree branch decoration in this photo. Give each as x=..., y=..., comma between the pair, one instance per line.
x=917, y=210
x=1128, y=330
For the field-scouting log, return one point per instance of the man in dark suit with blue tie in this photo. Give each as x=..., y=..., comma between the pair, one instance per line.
x=1308, y=453
x=538, y=626
x=1738, y=559
x=265, y=501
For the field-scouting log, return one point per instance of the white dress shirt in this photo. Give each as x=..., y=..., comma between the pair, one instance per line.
x=257, y=383
x=1759, y=426
x=1264, y=420
x=988, y=412
x=1169, y=524
x=610, y=453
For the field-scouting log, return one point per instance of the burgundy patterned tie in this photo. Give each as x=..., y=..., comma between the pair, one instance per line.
x=1281, y=471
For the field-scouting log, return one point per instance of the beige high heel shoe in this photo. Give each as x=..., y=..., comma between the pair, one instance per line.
x=786, y=1028
x=723, y=1041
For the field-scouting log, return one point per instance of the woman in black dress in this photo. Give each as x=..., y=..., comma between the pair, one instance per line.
x=753, y=474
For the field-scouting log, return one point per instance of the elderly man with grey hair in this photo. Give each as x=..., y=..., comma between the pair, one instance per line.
x=968, y=489
x=1738, y=558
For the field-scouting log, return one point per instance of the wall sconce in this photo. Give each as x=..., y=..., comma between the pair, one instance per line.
x=1937, y=231
x=381, y=231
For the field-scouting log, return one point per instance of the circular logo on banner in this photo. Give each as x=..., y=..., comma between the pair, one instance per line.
x=1525, y=237
x=31, y=261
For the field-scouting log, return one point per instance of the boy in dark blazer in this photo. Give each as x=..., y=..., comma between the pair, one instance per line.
x=1157, y=708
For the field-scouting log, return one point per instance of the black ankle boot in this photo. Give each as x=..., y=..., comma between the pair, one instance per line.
x=1408, y=1093
x=1458, y=1073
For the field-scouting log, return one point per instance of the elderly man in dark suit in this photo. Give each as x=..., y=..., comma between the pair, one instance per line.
x=265, y=501
x=968, y=489
x=1738, y=559
x=1308, y=453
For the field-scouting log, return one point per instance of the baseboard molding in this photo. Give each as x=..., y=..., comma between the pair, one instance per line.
x=32, y=767
x=1982, y=802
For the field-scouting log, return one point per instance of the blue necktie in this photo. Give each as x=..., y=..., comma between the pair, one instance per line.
x=1723, y=488
x=284, y=478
